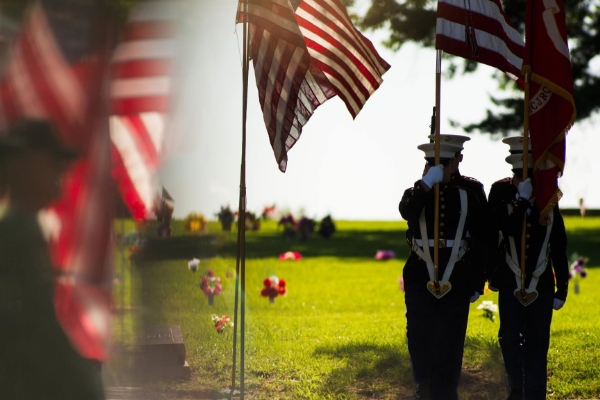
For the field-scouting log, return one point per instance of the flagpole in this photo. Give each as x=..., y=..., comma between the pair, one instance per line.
x=240, y=267
x=525, y=157
x=436, y=138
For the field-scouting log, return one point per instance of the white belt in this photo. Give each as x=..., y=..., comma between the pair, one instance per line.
x=441, y=243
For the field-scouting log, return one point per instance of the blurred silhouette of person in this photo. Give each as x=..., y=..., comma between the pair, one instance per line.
x=37, y=360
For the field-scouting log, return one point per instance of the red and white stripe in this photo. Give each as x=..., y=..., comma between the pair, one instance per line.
x=38, y=82
x=500, y=44
x=302, y=58
x=140, y=89
x=346, y=57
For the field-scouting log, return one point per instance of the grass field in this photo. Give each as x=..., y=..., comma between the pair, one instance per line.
x=339, y=333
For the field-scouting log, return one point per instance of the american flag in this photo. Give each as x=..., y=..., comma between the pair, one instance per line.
x=54, y=72
x=305, y=52
x=140, y=88
x=480, y=30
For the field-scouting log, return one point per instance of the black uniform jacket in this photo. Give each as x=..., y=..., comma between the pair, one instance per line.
x=508, y=223
x=472, y=184
x=468, y=274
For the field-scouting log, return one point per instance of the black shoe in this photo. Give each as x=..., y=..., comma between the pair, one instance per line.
x=515, y=395
x=422, y=392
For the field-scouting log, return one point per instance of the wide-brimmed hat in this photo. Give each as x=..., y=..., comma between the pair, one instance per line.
x=30, y=134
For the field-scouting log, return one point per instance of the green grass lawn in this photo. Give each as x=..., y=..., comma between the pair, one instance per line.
x=339, y=333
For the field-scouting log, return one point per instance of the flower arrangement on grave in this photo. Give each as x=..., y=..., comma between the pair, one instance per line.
x=273, y=287
x=195, y=222
x=164, y=213
x=211, y=285
x=193, y=264
x=289, y=226
x=577, y=270
x=226, y=218
x=383, y=255
x=290, y=255
x=252, y=222
x=221, y=322
x=327, y=227
x=269, y=212
x=489, y=309
x=305, y=228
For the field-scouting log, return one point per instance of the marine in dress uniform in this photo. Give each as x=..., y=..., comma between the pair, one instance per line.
x=436, y=327
x=524, y=333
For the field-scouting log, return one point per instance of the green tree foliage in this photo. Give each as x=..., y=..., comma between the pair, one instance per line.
x=414, y=21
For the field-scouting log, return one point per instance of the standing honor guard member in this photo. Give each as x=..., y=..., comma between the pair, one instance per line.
x=437, y=296
x=526, y=304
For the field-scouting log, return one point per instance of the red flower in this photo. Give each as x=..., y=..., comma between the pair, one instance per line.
x=281, y=283
x=211, y=273
x=267, y=282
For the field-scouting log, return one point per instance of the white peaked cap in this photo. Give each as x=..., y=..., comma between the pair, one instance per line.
x=516, y=160
x=516, y=144
x=447, y=149
x=457, y=140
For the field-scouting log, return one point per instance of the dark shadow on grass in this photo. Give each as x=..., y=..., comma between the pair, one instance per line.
x=369, y=371
x=347, y=244
x=483, y=380
x=376, y=371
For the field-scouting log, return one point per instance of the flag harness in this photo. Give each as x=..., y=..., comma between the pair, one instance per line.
x=459, y=248
x=512, y=260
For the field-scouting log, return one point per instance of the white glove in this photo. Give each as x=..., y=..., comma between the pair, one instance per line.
x=525, y=189
x=558, y=304
x=434, y=175
x=475, y=296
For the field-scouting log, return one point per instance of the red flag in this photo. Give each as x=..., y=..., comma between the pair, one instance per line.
x=551, y=107
x=55, y=72
x=140, y=88
x=304, y=53
x=480, y=30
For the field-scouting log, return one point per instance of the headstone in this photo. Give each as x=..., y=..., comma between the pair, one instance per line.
x=161, y=353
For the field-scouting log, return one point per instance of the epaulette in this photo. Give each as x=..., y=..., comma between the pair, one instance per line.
x=468, y=178
x=503, y=181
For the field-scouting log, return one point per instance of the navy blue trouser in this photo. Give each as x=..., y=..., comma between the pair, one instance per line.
x=524, y=338
x=436, y=330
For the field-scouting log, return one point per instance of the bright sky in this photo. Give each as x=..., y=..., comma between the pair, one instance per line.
x=353, y=169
